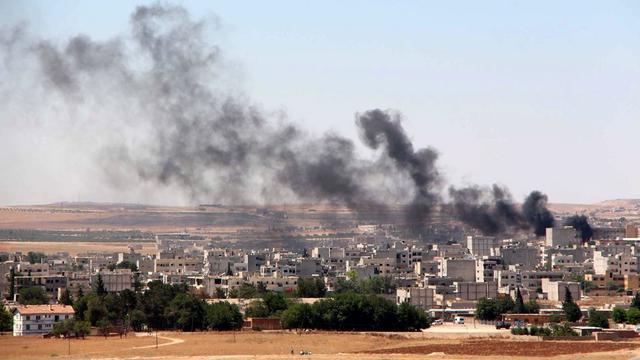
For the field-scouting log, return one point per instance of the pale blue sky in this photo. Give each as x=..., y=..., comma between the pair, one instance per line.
x=534, y=95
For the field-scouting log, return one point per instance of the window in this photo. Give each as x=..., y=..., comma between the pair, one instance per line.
x=28, y=327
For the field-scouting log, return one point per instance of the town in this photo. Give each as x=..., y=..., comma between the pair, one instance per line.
x=521, y=284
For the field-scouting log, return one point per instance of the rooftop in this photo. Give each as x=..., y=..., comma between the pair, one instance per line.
x=44, y=309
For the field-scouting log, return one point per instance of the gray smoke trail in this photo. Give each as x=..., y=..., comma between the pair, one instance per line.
x=155, y=110
x=490, y=211
x=159, y=112
x=378, y=128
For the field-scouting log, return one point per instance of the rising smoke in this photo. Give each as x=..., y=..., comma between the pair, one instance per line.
x=581, y=224
x=158, y=109
x=493, y=211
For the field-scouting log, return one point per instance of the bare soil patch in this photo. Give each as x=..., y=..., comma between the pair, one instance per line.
x=511, y=348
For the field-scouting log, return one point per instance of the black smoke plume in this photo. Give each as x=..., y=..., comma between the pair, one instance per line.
x=378, y=128
x=535, y=212
x=159, y=112
x=490, y=211
x=581, y=224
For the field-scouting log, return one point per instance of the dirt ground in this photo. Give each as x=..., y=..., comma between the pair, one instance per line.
x=265, y=345
x=73, y=248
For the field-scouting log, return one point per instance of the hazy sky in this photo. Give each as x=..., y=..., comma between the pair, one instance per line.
x=534, y=95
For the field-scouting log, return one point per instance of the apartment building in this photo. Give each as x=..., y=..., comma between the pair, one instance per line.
x=39, y=319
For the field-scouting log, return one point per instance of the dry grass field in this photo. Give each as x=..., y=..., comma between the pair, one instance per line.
x=263, y=345
x=73, y=248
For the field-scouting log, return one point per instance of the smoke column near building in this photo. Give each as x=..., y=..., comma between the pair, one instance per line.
x=535, y=212
x=581, y=224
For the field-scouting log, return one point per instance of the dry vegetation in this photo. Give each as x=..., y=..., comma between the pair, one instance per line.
x=263, y=345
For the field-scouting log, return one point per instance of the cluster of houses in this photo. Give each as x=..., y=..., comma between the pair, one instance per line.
x=443, y=279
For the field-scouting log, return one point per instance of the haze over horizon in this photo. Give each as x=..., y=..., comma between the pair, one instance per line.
x=507, y=92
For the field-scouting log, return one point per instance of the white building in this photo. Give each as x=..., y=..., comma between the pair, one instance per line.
x=39, y=319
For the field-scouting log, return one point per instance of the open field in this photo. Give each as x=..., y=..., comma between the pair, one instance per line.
x=265, y=345
x=73, y=248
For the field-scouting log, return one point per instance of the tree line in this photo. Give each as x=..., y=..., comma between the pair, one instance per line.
x=355, y=312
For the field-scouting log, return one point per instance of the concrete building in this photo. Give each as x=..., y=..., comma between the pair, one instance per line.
x=114, y=281
x=39, y=319
x=475, y=290
x=183, y=265
x=560, y=237
x=556, y=290
x=608, y=233
x=49, y=283
x=620, y=264
x=419, y=297
x=458, y=269
x=526, y=257
x=486, y=266
x=482, y=245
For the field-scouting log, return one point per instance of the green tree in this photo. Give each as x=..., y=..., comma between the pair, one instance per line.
x=81, y=328
x=12, y=283
x=65, y=298
x=220, y=293
x=127, y=265
x=103, y=327
x=633, y=316
x=619, y=315
x=80, y=307
x=298, y=316
x=223, y=316
x=247, y=291
x=35, y=257
x=505, y=305
x=100, y=289
x=6, y=320
x=233, y=293
x=412, y=318
x=563, y=329
x=532, y=307
x=63, y=328
x=519, y=303
x=69, y=327
x=96, y=310
x=377, y=285
x=33, y=295
x=137, y=285
x=275, y=302
x=311, y=287
x=597, y=319
x=137, y=319
x=635, y=302
x=571, y=310
x=155, y=301
x=486, y=309
x=186, y=312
